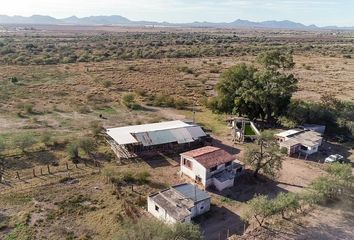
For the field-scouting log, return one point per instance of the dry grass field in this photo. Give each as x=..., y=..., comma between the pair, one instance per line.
x=64, y=98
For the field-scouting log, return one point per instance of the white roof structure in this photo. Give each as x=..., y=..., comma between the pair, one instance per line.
x=287, y=133
x=156, y=133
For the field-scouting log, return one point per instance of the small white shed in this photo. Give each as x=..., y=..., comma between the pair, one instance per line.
x=179, y=203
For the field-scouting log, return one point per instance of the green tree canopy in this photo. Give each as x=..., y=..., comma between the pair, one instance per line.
x=263, y=92
x=264, y=156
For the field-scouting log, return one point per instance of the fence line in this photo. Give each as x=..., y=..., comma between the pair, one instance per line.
x=46, y=173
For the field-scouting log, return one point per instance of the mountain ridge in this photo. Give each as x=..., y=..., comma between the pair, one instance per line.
x=123, y=21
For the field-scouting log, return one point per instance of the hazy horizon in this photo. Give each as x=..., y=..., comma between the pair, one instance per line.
x=319, y=12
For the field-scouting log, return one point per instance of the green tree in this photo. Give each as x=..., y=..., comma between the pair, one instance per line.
x=264, y=156
x=263, y=92
x=275, y=60
x=260, y=208
x=286, y=202
x=342, y=173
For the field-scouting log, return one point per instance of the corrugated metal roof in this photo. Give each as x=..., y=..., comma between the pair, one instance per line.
x=192, y=192
x=123, y=135
x=196, y=132
x=156, y=133
x=182, y=135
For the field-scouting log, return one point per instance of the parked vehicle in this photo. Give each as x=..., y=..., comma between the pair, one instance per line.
x=334, y=158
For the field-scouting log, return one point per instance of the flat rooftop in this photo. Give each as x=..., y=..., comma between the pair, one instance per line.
x=177, y=200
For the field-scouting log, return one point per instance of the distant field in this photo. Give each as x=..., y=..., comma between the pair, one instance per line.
x=64, y=81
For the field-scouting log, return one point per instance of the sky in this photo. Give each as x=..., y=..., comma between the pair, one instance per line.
x=319, y=12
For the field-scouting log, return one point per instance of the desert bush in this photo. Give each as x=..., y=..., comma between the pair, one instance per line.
x=21, y=231
x=84, y=109
x=87, y=145
x=107, y=83
x=140, y=92
x=28, y=107
x=185, y=69
x=127, y=177
x=14, y=80
x=129, y=101
x=325, y=189
x=157, y=230
x=72, y=150
x=46, y=138
x=24, y=141
x=96, y=128
x=133, y=68
x=214, y=70
x=180, y=103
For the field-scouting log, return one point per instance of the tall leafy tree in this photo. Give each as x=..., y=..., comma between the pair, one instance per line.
x=262, y=92
x=264, y=156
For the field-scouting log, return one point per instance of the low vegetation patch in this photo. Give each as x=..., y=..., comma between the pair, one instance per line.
x=335, y=186
x=156, y=230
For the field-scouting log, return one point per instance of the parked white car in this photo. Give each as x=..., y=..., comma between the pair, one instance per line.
x=334, y=158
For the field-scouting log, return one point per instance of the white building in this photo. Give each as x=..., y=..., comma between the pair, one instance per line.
x=211, y=166
x=179, y=203
x=299, y=140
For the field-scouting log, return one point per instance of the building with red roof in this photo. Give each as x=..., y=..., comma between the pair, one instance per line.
x=211, y=166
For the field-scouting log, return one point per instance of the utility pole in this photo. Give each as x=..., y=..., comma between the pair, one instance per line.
x=193, y=111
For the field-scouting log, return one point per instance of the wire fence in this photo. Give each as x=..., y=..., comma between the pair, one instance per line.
x=45, y=174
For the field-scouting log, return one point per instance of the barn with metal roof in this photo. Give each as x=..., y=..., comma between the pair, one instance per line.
x=129, y=140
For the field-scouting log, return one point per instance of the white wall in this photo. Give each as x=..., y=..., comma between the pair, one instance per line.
x=197, y=170
x=222, y=185
x=161, y=213
x=201, y=207
x=310, y=150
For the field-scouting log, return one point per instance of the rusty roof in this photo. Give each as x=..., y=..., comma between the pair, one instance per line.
x=209, y=156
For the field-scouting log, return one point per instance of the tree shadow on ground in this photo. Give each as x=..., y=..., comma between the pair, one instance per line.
x=4, y=220
x=157, y=160
x=230, y=149
x=247, y=186
x=220, y=222
x=30, y=160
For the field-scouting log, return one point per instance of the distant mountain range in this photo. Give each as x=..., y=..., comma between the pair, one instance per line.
x=122, y=21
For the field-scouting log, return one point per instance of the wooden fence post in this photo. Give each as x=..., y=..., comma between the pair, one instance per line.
x=67, y=166
x=48, y=169
x=34, y=172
